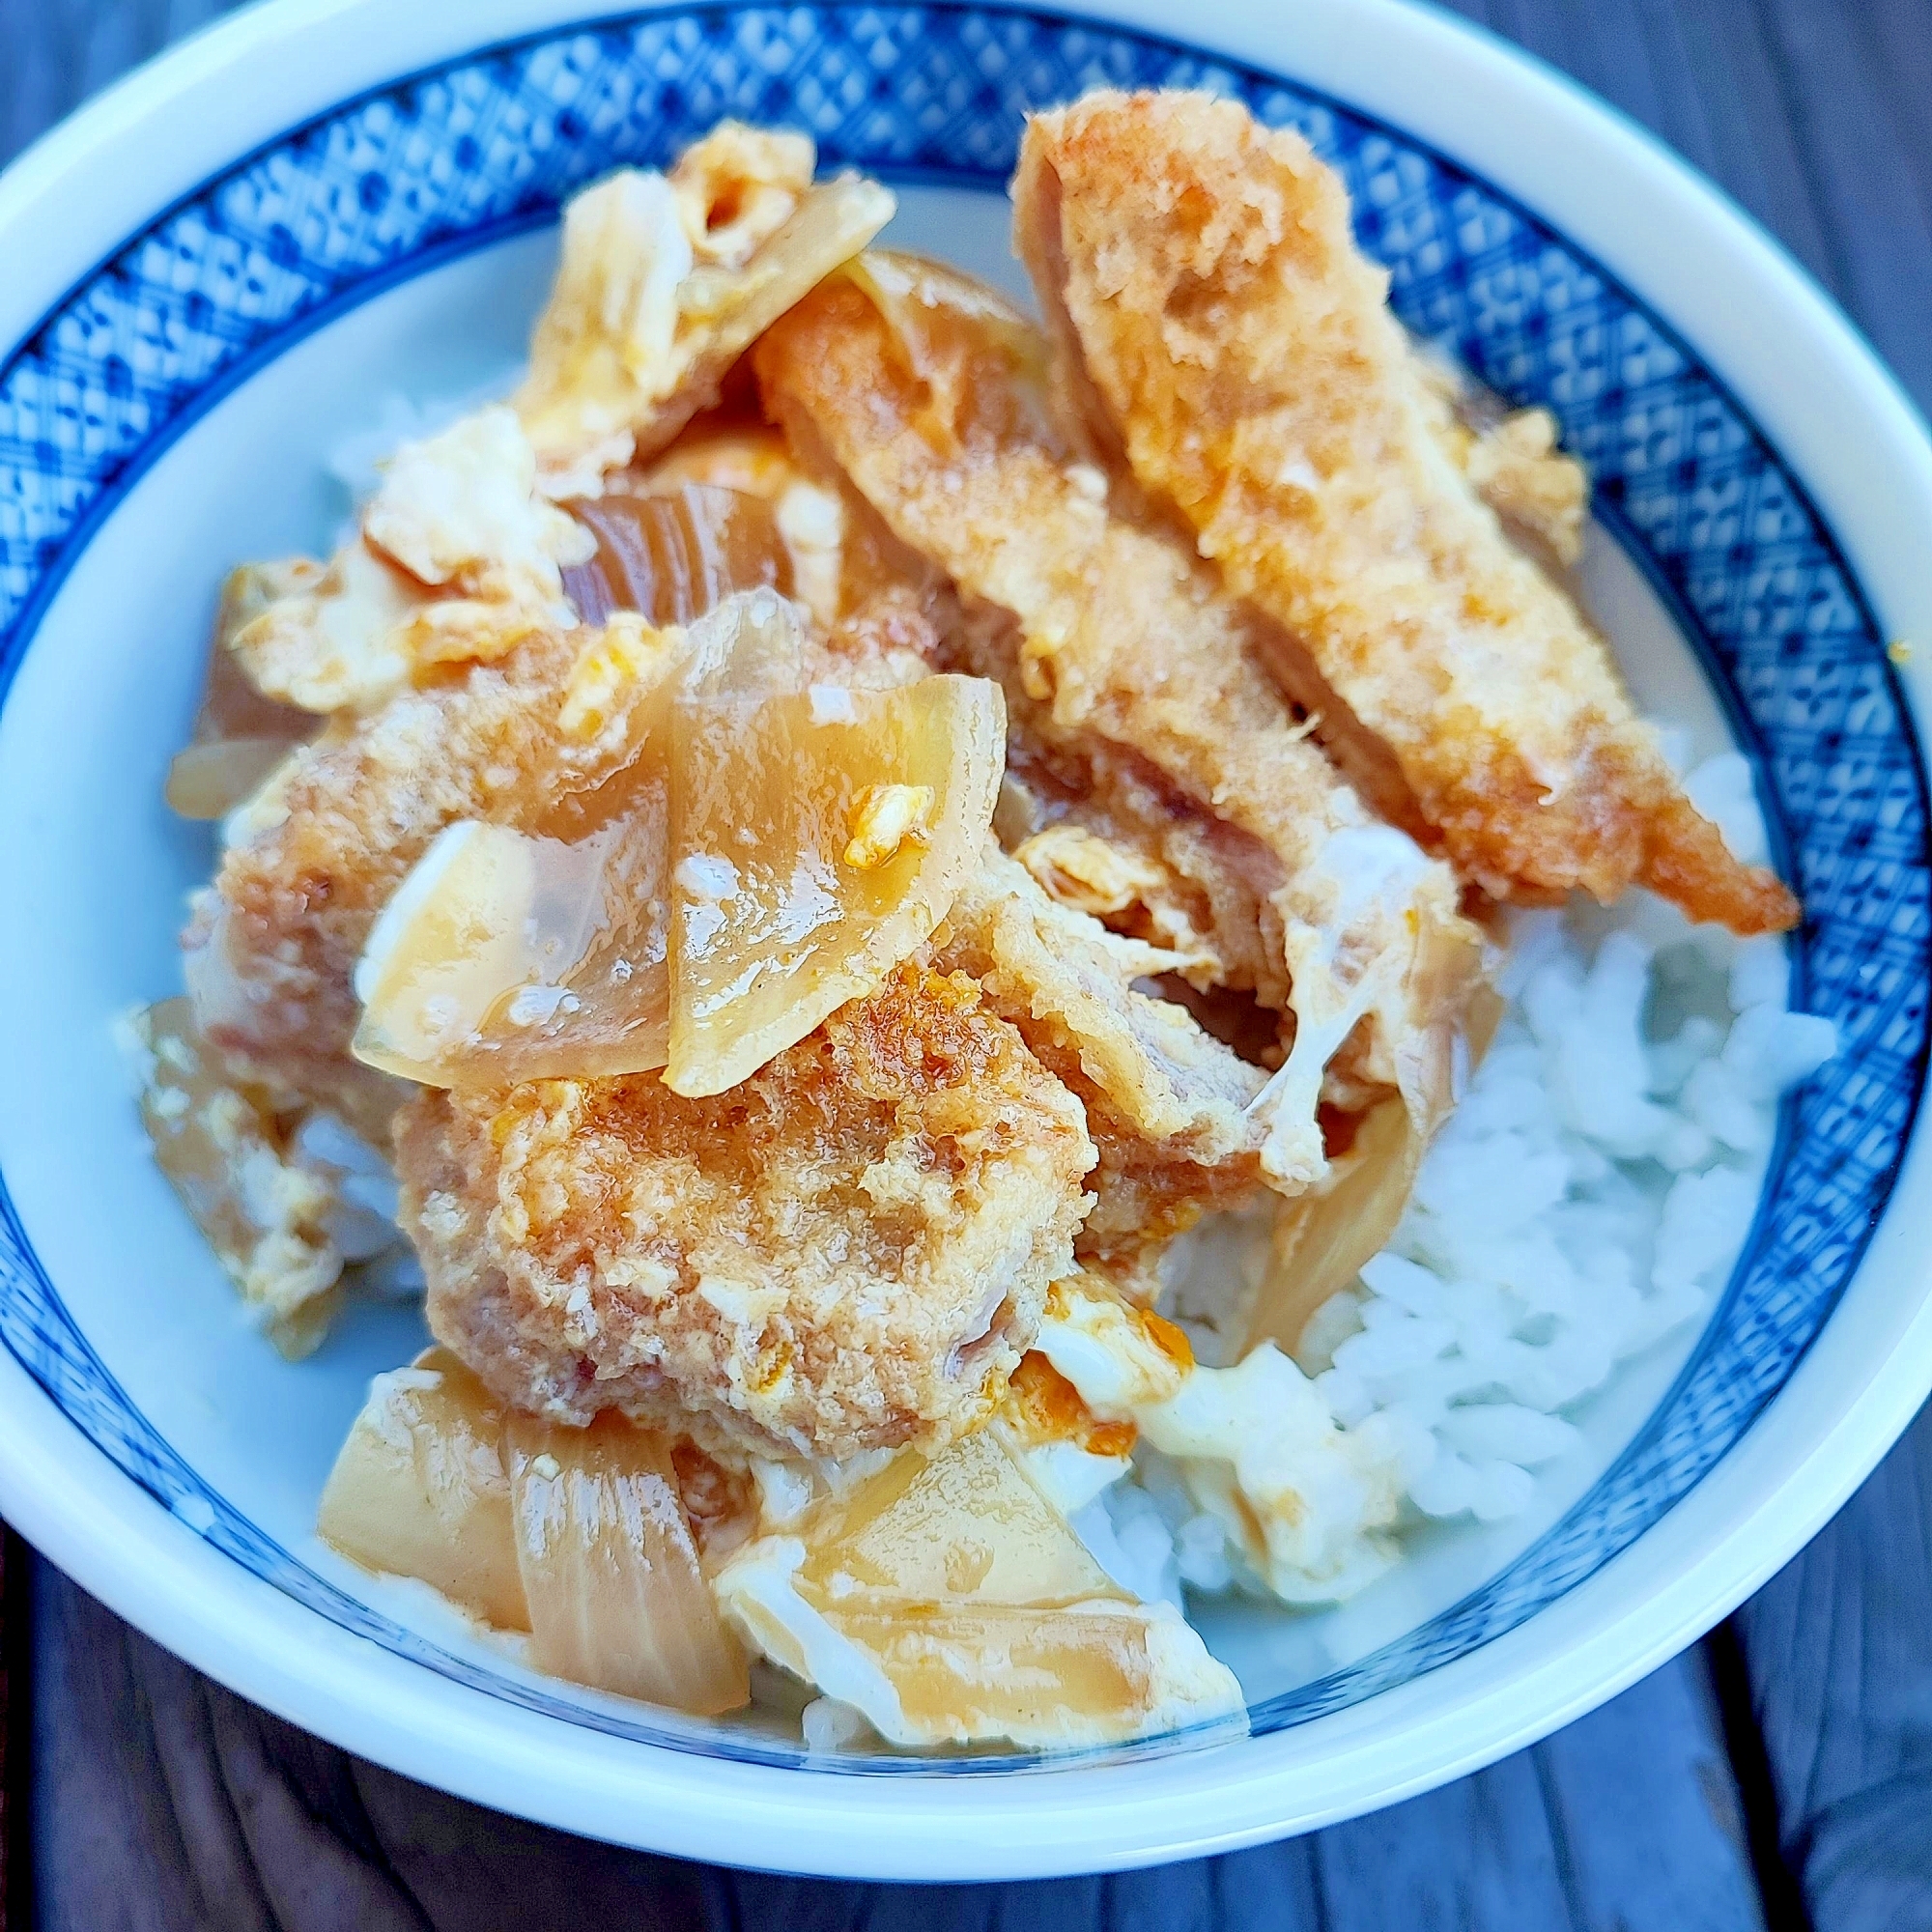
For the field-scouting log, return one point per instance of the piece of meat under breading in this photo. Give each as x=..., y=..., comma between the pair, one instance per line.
x=1241, y=352
x=920, y=387
x=1178, y=876
x=849, y=1251
x=1169, y=1107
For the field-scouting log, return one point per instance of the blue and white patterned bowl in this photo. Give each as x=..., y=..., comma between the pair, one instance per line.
x=221, y=267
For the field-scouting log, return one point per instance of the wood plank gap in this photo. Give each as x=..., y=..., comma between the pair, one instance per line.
x=1778, y=1891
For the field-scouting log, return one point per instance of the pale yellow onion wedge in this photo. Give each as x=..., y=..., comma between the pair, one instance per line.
x=1307, y=1503
x=820, y=840
x=218, y=1141
x=1321, y=1237
x=240, y=736
x=419, y=1489
x=618, y=1598
x=508, y=956
x=947, y=1601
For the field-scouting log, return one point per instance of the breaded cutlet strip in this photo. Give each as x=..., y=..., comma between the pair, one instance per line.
x=1234, y=345
x=1160, y=865
x=929, y=404
x=849, y=1251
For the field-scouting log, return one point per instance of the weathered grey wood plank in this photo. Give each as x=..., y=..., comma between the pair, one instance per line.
x=1839, y=1651
x=1858, y=80
x=162, y=1801
x=57, y=52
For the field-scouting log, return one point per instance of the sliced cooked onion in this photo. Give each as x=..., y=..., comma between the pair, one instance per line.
x=616, y=1597
x=238, y=736
x=419, y=1489
x=218, y=1141
x=207, y=781
x=820, y=838
x=1322, y=1237
x=949, y=1601
x=509, y=957
x=675, y=556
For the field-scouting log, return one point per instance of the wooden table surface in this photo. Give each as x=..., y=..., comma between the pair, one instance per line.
x=1779, y=1774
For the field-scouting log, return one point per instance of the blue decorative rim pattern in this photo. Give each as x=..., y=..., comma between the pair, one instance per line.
x=389, y=185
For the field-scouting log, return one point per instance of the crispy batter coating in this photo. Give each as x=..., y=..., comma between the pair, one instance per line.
x=525, y=741
x=1240, y=351
x=922, y=387
x=1200, y=885
x=1167, y=1104
x=849, y=1251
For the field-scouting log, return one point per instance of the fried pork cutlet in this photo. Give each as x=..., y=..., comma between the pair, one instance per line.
x=1220, y=328
x=1170, y=1108
x=923, y=388
x=849, y=1251
x=531, y=740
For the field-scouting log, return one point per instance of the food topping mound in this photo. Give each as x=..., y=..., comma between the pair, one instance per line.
x=825, y=874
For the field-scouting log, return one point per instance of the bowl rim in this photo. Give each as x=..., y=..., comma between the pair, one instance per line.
x=1668, y=236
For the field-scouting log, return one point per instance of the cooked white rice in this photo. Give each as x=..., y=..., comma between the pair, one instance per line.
x=1588, y=1197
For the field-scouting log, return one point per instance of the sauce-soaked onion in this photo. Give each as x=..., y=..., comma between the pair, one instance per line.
x=542, y=953
x=673, y=556
x=617, y=1598
x=238, y=736
x=419, y=1489
x=818, y=839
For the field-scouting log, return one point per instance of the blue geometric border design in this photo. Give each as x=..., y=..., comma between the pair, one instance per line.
x=389, y=185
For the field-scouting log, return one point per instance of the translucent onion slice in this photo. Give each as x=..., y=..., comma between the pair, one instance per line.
x=949, y=1601
x=419, y=1490
x=511, y=954
x=675, y=556
x=505, y=955
x=820, y=840
x=1322, y=1237
x=616, y=1597
x=238, y=735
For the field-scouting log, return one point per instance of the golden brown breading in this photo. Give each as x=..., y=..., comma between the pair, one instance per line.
x=1168, y=1106
x=1241, y=352
x=921, y=388
x=849, y=1251
x=526, y=741
x=1200, y=885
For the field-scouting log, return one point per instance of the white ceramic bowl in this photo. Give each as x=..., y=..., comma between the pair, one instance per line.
x=223, y=263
